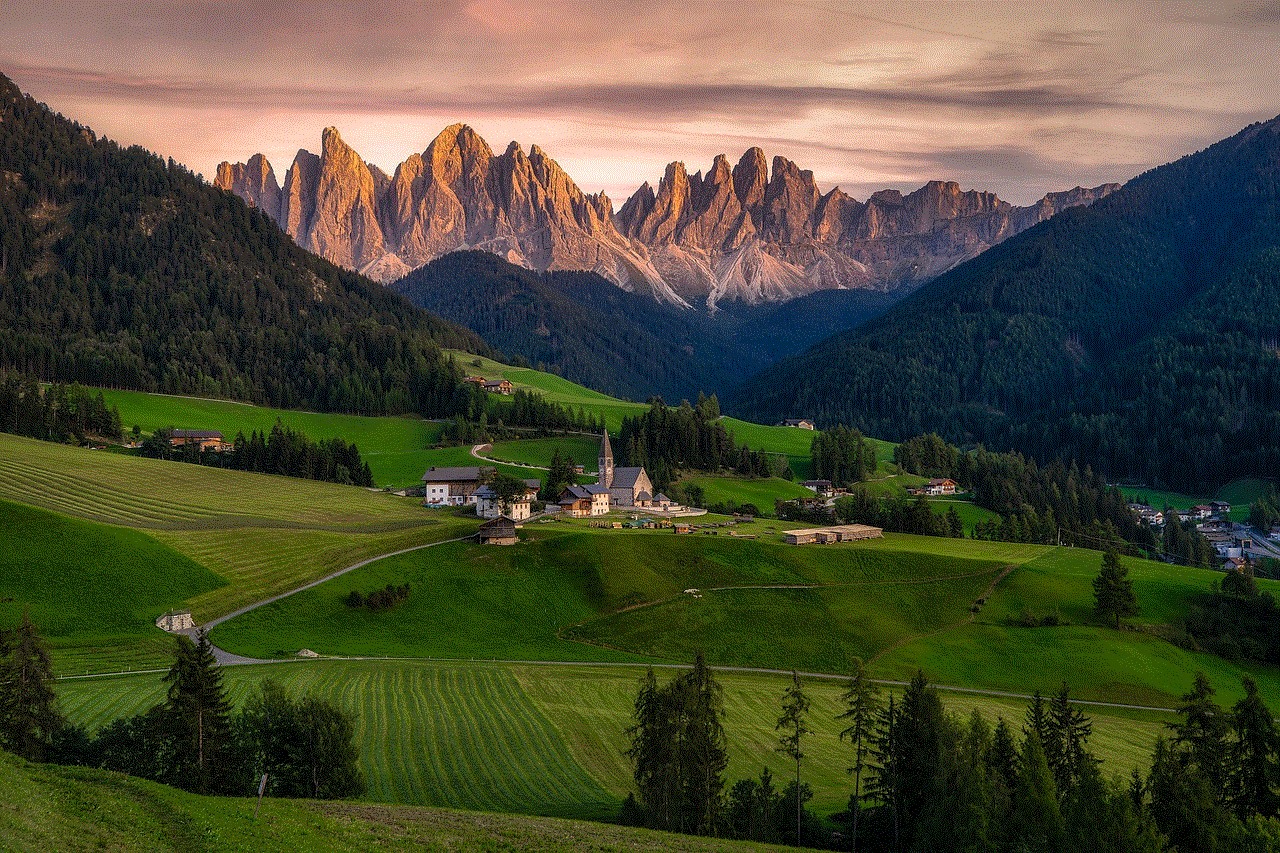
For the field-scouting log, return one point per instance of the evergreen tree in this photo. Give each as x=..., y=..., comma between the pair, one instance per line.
x=703, y=756
x=792, y=724
x=1254, y=766
x=29, y=716
x=1199, y=738
x=1070, y=731
x=198, y=713
x=1113, y=590
x=861, y=703
x=650, y=750
x=1037, y=819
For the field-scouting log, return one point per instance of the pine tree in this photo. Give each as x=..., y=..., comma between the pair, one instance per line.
x=1200, y=737
x=703, y=756
x=1113, y=590
x=1254, y=765
x=1070, y=731
x=650, y=750
x=198, y=712
x=795, y=707
x=861, y=702
x=29, y=715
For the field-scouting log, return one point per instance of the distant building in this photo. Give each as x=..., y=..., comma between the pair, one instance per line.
x=822, y=487
x=208, y=439
x=497, y=531
x=943, y=486
x=475, y=380
x=499, y=386
x=176, y=621
x=625, y=485
x=453, y=486
x=584, y=501
x=798, y=423
x=489, y=506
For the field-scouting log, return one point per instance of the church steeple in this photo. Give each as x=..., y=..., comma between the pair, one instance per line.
x=605, y=462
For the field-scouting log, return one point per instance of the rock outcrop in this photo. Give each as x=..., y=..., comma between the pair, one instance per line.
x=749, y=232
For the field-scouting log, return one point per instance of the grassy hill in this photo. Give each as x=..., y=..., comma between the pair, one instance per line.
x=74, y=810
x=90, y=586
x=259, y=534
x=550, y=739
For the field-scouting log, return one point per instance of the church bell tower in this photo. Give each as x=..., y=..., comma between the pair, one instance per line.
x=605, y=461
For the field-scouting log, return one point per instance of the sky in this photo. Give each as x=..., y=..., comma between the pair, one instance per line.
x=1015, y=98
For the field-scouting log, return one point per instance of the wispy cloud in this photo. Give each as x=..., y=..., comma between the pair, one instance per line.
x=1013, y=97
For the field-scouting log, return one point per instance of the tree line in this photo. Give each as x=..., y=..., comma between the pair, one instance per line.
x=283, y=451
x=194, y=739
x=925, y=779
x=61, y=413
x=665, y=440
x=842, y=456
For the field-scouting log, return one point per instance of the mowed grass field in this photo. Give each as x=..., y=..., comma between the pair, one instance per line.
x=92, y=586
x=550, y=740
x=396, y=448
x=532, y=601
x=902, y=602
x=258, y=534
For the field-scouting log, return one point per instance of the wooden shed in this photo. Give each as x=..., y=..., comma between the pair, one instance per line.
x=497, y=531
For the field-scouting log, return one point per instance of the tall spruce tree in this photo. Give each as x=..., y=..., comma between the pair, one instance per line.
x=1113, y=590
x=649, y=750
x=861, y=701
x=703, y=756
x=794, y=728
x=1200, y=736
x=1254, y=756
x=1071, y=730
x=198, y=713
x=29, y=715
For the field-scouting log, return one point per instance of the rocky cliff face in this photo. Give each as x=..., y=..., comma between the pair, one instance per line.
x=747, y=232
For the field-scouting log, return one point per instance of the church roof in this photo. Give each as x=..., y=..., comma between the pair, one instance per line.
x=625, y=478
x=606, y=452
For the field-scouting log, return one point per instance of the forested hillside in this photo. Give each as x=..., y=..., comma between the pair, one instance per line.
x=1138, y=335
x=580, y=326
x=119, y=269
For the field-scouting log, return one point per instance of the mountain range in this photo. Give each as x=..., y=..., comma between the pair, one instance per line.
x=750, y=232
x=1139, y=335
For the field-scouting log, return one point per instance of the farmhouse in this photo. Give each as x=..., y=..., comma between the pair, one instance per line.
x=798, y=423
x=499, y=386
x=625, y=485
x=822, y=487
x=489, y=506
x=452, y=486
x=208, y=439
x=497, y=531
x=584, y=501
x=838, y=533
x=943, y=486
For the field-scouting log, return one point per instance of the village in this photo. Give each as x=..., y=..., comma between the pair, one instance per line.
x=626, y=490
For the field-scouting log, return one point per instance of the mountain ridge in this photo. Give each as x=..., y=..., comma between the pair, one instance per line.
x=756, y=232
x=1137, y=334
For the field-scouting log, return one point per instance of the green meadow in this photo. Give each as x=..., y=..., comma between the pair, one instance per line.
x=78, y=810
x=1239, y=493
x=549, y=740
x=236, y=537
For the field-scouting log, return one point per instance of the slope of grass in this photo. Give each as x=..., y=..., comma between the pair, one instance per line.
x=91, y=586
x=583, y=449
x=998, y=652
x=478, y=601
x=260, y=534
x=762, y=491
x=75, y=810
x=550, y=740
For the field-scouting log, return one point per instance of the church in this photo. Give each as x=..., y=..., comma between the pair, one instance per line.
x=627, y=486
